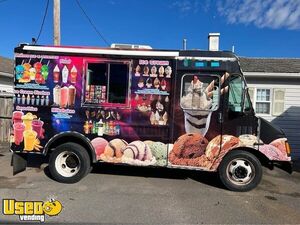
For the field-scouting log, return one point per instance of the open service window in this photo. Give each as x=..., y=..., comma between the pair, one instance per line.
x=106, y=83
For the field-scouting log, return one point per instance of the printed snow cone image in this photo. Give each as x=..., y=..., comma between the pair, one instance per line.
x=197, y=106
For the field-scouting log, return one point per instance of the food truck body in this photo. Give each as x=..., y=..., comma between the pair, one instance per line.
x=142, y=107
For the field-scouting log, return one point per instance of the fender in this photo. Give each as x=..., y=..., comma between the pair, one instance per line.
x=75, y=137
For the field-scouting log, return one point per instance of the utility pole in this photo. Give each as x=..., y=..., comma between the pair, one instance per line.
x=56, y=21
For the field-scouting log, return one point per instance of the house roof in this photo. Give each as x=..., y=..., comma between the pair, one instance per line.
x=270, y=65
x=6, y=65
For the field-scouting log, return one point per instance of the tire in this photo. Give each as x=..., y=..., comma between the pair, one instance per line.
x=69, y=163
x=240, y=171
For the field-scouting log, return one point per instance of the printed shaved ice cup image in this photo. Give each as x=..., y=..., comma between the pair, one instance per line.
x=19, y=71
x=272, y=152
x=17, y=116
x=99, y=145
x=138, y=153
x=249, y=140
x=27, y=120
x=280, y=144
x=32, y=73
x=114, y=150
x=37, y=126
x=188, y=150
x=19, y=128
x=29, y=139
x=159, y=151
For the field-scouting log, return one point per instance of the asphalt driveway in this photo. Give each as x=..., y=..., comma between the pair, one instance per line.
x=120, y=194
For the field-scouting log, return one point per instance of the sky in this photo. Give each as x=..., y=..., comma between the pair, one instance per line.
x=256, y=28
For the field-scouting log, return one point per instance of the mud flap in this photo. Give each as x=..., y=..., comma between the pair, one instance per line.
x=285, y=166
x=19, y=163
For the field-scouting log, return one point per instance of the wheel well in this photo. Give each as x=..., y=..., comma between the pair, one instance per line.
x=260, y=156
x=74, y=139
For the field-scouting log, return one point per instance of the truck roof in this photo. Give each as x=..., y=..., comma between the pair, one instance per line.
x=80, y=50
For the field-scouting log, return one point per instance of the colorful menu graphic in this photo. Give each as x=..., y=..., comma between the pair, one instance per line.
x=151, y=89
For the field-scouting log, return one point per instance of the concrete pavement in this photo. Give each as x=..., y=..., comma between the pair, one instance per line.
x=120, y=194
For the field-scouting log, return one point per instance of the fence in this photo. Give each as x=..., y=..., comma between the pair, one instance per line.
x=6, y=106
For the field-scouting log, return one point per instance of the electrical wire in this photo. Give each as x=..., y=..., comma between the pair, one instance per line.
x=92, y=24
x=43, y=21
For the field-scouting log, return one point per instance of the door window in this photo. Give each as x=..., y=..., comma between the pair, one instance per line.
x=200, y=92
x=236, y=88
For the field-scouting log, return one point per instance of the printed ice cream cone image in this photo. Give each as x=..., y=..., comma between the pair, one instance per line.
x=168, y=71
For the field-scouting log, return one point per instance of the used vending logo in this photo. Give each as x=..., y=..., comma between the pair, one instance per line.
x=31, y=210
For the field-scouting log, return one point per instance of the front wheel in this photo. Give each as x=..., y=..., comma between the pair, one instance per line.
x=69, y=163
x=240, y=171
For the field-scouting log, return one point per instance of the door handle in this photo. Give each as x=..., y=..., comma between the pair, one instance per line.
x=220, y=117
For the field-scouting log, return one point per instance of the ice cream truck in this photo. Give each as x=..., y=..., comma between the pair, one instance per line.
x=185, y=109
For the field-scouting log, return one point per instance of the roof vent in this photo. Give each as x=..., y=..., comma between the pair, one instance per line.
x=130, y=46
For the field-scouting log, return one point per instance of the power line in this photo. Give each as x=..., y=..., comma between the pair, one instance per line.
x=92, y=24
x=43, y=21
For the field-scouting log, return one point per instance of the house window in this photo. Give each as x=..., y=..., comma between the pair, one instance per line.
x=263, y=101
x=267, y=101
x=107, y=83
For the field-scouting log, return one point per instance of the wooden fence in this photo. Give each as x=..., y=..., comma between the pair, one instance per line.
x=6, y=107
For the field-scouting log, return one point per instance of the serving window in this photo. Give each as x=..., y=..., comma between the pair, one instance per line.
x=107, y=83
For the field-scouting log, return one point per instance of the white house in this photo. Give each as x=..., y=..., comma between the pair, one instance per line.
x=274, y=88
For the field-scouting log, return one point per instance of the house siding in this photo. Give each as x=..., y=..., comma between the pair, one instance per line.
x=289, y=120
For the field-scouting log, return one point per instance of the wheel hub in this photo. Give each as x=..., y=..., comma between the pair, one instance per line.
x=240, y=171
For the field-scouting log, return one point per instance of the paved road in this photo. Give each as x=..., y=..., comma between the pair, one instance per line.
x=156, y=196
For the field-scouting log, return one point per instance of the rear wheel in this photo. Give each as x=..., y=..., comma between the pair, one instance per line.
x=240, y=171
x=69, y=163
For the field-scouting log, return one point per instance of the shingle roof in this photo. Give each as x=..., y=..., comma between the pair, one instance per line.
x=270, y=65
x=6, y=65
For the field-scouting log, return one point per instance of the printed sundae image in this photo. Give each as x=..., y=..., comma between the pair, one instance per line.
x=196, y=104
x=27, y=131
